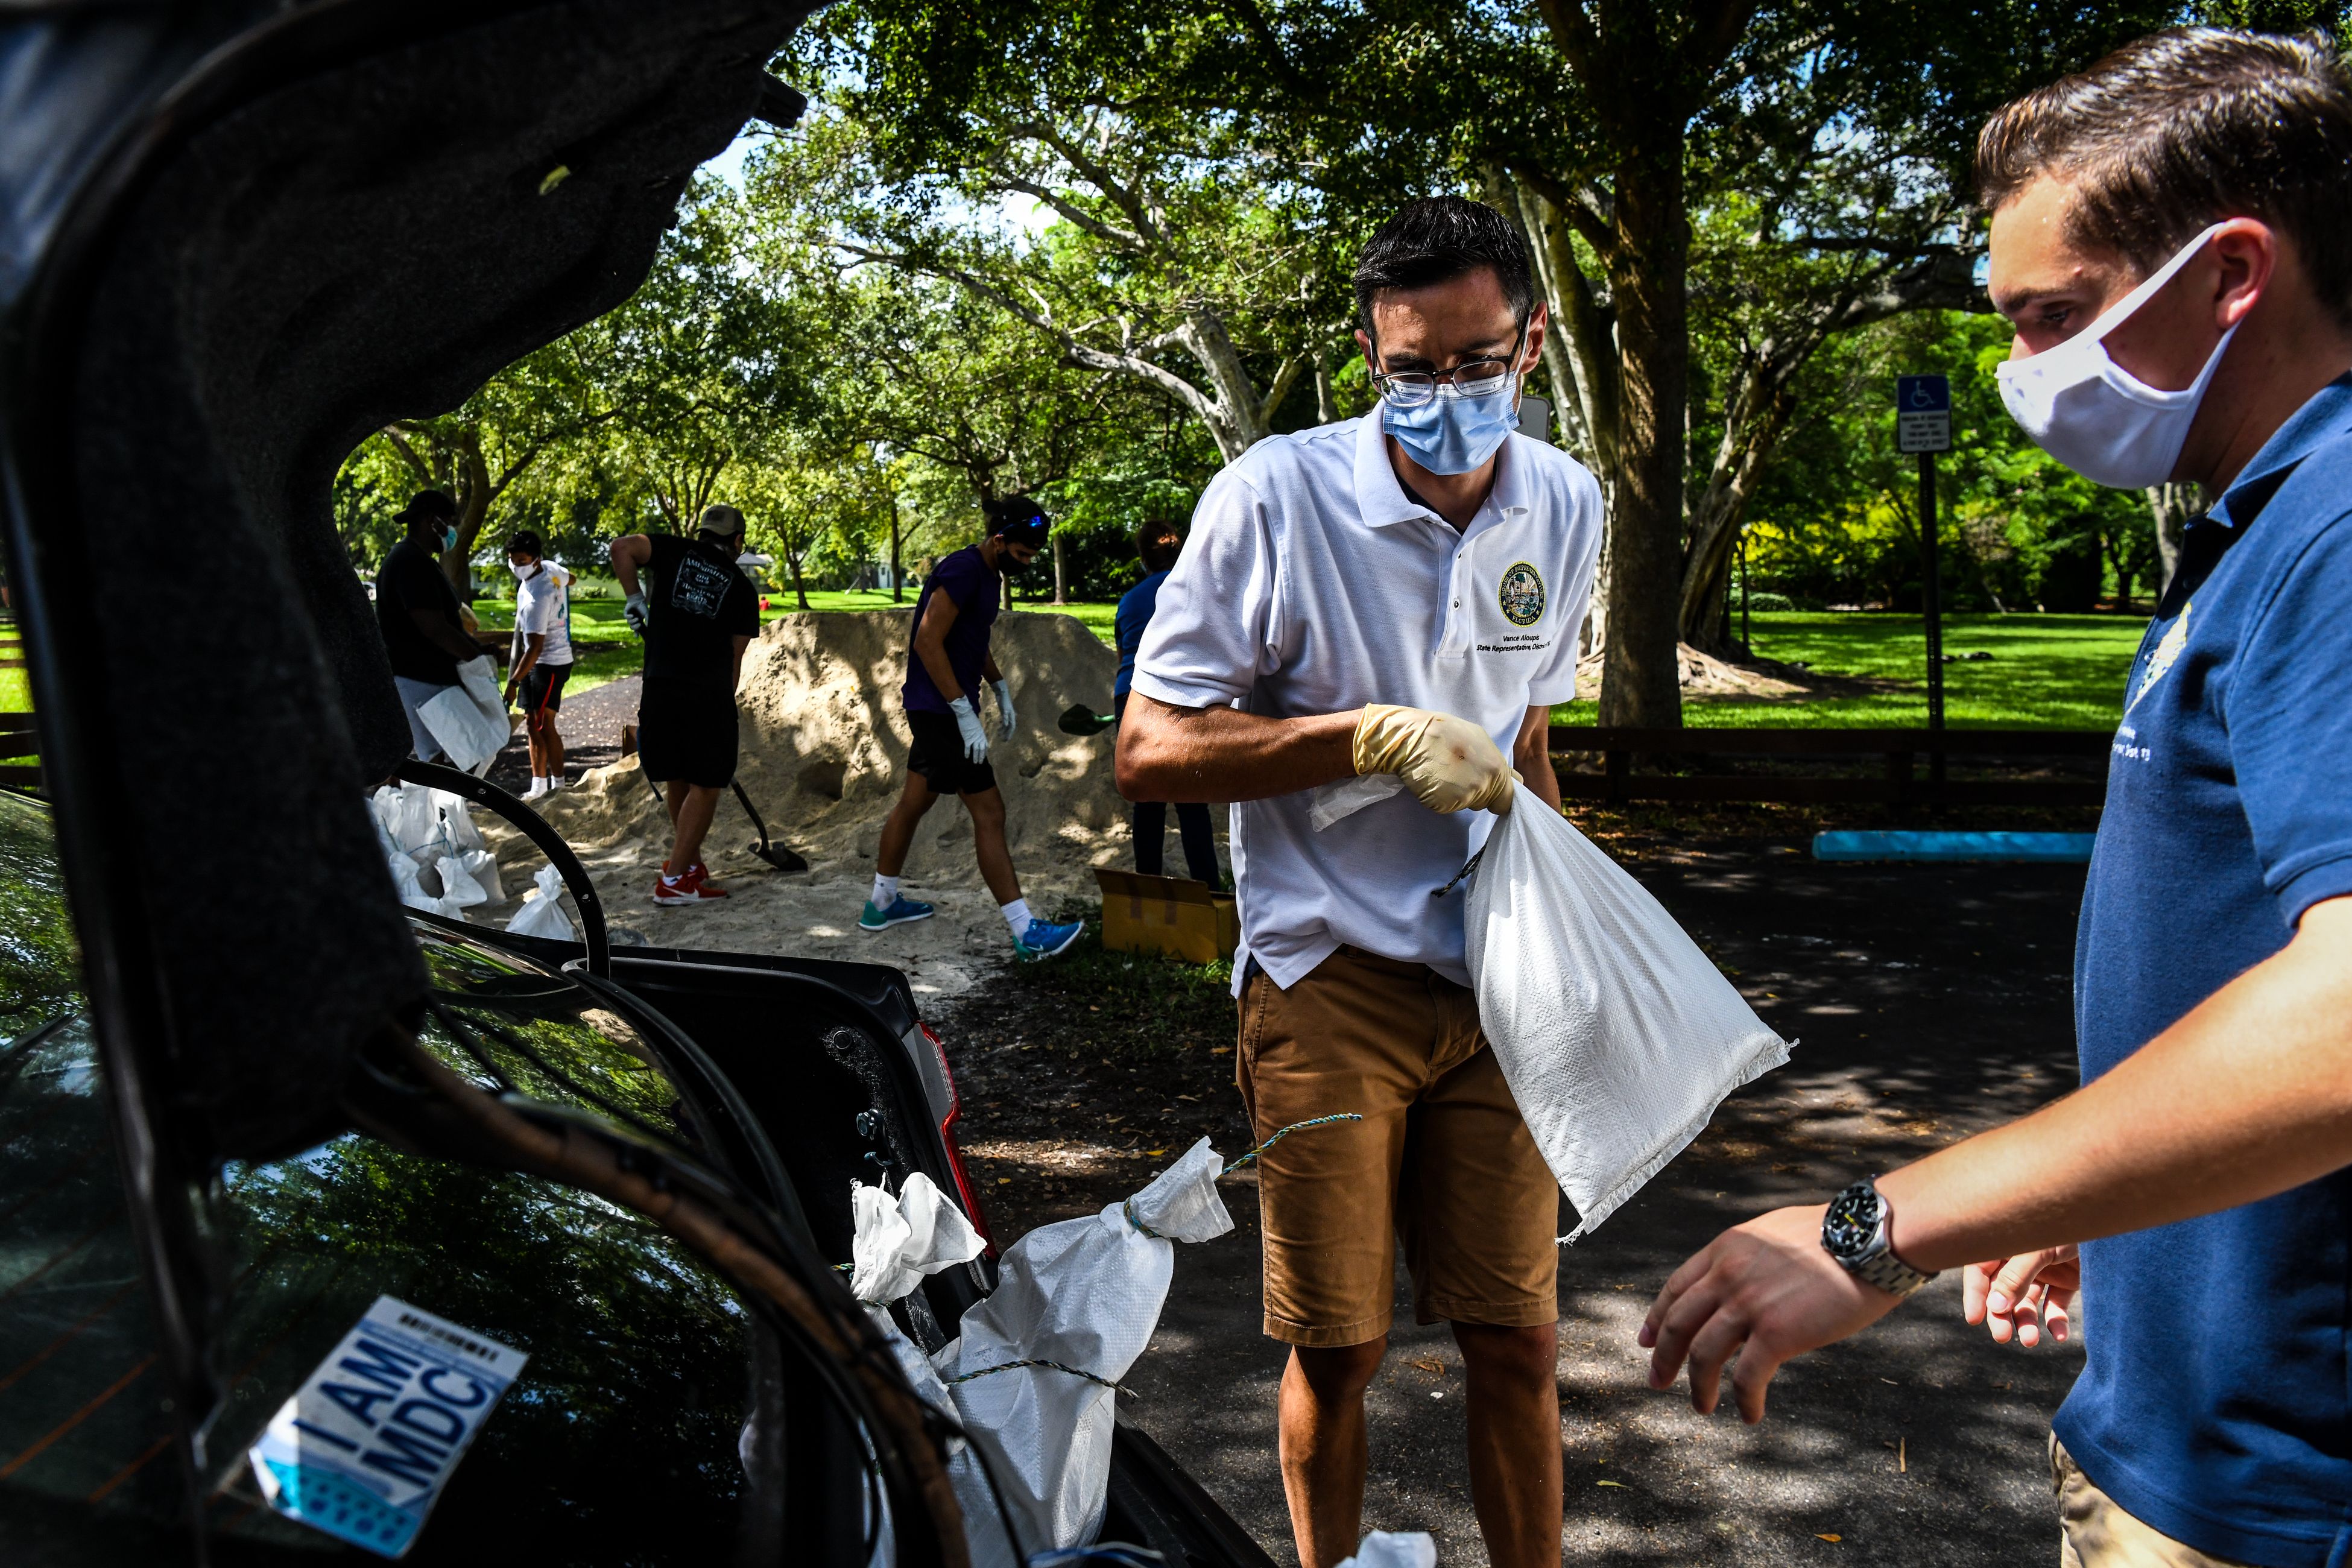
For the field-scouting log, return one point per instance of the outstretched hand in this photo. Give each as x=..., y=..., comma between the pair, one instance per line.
x=2023, y=1296
x=1765, y=1289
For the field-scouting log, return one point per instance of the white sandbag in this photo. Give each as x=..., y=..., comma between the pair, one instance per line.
x=483, y=866
x=542, y=913
x=895, y=1242
x=1084, y=1294
x=412, y=818
x=899, y=1240
x=468, y=719
x=458, y=889
x=1618, y=1037
x=458, y=827
x=1395, y=1549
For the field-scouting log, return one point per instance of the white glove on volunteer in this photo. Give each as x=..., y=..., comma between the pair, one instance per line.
x=1449, y=763
x=1003, y=690
x=635, y=613
x=975, y=738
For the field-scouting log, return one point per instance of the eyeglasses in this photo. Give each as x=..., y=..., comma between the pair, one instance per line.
x=1478, y=378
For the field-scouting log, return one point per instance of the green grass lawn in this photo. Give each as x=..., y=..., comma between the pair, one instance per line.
x=2048, y=672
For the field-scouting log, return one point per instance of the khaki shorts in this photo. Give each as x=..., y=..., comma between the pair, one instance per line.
x=1441, y=1160
x=2094, y=1533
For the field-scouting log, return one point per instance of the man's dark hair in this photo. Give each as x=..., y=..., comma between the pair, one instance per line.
x=439, y=505
x=1441, y=237
x=1019, y=519
x=1158, y=543
x=2177, y=131
x=525, y=541
x=720, y=521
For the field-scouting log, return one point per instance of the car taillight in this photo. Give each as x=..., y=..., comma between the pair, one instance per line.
x=964, y=1189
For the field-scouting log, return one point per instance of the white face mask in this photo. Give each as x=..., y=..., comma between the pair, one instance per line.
x=523, y=574
x=2093, y=415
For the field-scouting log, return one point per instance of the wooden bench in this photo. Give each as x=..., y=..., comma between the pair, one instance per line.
x=18, y=739
x=1898, y=782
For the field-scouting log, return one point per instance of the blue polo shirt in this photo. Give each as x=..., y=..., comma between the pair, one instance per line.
x=1127, y=624
x=2217, y=1404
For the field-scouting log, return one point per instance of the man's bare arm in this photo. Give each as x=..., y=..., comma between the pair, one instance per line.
x=1531, y=754
x=2249, y=1095
x=534, y=644
x=630, y=554
x=445, y=635
x=1222, y=755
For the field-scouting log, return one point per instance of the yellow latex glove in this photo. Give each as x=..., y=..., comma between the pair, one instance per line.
x=1449, y=763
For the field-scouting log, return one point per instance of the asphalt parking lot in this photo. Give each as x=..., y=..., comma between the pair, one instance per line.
x=1929, y=1003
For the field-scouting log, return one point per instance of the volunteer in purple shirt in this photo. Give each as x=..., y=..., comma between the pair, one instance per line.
x=950, y=754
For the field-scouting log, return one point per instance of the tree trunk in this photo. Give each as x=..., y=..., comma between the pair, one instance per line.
x=473, y=507
x=898, y=574
x=2171, y=506
x=1060, y=584
x=1639, y=685
x=800, y=589
x=1760, y=413
x=1326, y=405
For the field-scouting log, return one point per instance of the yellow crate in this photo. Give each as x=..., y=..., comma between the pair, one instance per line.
x=1166, y=914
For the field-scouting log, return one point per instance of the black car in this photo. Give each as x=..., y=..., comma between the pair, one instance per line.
x=247, y=1102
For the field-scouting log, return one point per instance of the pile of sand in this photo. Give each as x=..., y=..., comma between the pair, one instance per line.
x=824, y=741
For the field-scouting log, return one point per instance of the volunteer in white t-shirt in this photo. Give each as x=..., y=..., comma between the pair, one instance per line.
x=542, y=653
x=1386, y=609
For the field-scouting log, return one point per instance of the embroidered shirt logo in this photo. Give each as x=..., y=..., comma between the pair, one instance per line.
x=2168, y=650
x=1521, y=595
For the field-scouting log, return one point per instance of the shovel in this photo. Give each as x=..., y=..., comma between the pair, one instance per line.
x=1081, y=720
x=775, y=855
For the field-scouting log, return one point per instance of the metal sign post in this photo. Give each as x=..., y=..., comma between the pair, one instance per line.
x=1923, y=423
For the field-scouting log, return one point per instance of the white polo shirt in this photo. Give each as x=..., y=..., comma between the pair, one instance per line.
x=1310, y=585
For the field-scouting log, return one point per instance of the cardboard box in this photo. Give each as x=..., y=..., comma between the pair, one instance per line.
x=1166, y=914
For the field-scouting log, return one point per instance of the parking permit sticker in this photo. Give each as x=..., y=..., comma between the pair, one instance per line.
x=363, y=1448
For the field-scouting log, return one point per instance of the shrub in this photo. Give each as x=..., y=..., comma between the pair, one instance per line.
x=1762, y=601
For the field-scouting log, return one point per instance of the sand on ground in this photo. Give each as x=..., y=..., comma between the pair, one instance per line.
x=824, y=749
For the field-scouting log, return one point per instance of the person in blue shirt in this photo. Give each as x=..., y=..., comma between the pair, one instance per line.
x=1158, y=543
x=2172, y=241
x=946, y=662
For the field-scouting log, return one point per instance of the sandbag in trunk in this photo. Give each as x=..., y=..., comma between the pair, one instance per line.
x=469, y=720
x=895, y=1243
x=1033, y=1368
x=1618, y=1037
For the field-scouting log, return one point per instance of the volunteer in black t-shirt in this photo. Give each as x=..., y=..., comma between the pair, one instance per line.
x=699, y=615
x=423, y=631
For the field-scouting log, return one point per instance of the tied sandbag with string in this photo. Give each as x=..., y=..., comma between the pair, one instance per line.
x=894, y=1243
x=1035, y=1366
x=1618, y=1037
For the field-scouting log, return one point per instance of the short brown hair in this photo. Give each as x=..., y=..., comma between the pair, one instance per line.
x=1158, y=543
x=2179, y=130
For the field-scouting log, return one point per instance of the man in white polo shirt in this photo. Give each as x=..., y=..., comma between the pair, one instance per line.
x=1380, y=610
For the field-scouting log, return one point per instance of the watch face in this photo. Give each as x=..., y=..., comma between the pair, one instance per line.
x=1852, y=1223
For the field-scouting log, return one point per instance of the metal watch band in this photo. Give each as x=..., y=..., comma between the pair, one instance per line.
x=1889, y=1273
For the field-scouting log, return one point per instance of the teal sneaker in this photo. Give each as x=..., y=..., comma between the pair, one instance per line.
x=897, y=914
x=1043, y=939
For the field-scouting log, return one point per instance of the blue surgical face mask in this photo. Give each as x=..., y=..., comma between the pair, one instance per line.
x=450, y=537
x=1450, y=433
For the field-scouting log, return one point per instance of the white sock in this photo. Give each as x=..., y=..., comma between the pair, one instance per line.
x=1016, y=915
x=886, y=890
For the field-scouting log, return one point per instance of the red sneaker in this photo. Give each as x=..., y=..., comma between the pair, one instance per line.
x=694, y=888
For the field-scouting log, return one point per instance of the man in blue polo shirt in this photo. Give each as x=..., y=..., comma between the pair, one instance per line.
x=2172, y=239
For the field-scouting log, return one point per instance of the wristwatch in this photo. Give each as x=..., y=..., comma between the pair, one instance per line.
x=1854, y=1232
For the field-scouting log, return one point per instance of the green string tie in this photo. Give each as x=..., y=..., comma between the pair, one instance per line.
x=1049, y=1365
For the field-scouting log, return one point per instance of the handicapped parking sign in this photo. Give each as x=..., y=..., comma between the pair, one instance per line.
x=1923, y=414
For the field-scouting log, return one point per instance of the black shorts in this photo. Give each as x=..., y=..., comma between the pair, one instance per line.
x=687, y=731
x=543, y=691
x=937, y=755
